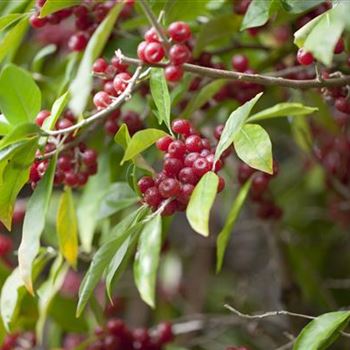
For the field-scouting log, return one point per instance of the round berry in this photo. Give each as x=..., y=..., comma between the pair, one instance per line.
x=173, y=73
x=141, y=50
x=121, y=82
x=108, y=87
x=186, y=191
x=133, y=121
x=210, y=160
x=179, y=54
x=152, y=197
x=37, y=22
x=71, y=179
x=201, y=166
x=64, y=162
x=260, y=184
x=64, y=124
x=181, y=126
x=194, y=143
x=172, y=166
x=169, y=209
x=154, y=52
x=82, y=178
x=177, y=149
x=179, y=31
x=244, y=172
x=111, y=127
x=99, y=66
x=169, y=188
x=118, y=64
x=342, y=105
x=42, y=167
x=89, y=157
x=102, y=100
x=6, y=245
x=339, y=47
x=190, y=158
x=304, y=58
x=33, y=174
x=187, y=175
x=41, y=117
x=163, y=143
x=78, y=42
x=164, y=333
x=151, y=36
x=145, y=183
x=240, y=63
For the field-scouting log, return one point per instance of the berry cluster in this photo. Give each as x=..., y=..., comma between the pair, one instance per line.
x=152, y=51
x=19, y=341
x=117, y=336
x=186, y=160
x=74, y=165
x=259, y=192
x=87, y=16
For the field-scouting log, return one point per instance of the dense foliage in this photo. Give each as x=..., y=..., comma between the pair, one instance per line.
x=165, y=164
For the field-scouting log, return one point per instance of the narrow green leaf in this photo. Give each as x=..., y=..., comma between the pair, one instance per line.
x=284, y=109
x=234, y=124
x=161, y=96
x=23, y=132
x=299, y=6
x=57, y=108
x=201, y=201
x=33, y=225
x=253, y=146
x=301, y=34
x=257, y=14
x=321, y=332
x=9, y=19
x=147, y=259
x=80, y=88
x=20, y=97
x=40, y=57
x=122, y=137
x=52, y=6
x=67, y=227
x=203, y=96
x=232, y=216
x=141, y=141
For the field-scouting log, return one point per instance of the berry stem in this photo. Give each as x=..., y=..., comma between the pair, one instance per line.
x=253, y=78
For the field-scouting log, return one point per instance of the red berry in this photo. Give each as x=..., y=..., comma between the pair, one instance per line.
x=6, y=245
x=109, y=88
x=64, y=124
x=173, y=73
x=82, y=178
x=117, y=63
x=78, y=42
x=37, y=22
x=121, y=82
x=141, y=50
x=221, y=184
x=179, y=31
x=34, y=175
x=169, y=209
x=116, y=327
x=194, y=143
x=177, y=149
x=151, y=36
x=339, y=47
x=133, y=121
x=210, y=160
x=218, y=131
x=244, y=172
x=181, y=126
x=190, y=158
x=42, y=167
x=260, y=184
x=304, y=58
x=172, y=166
x=145, y=183
x=89, y=157
x=41, y=117
x=152, y=197
x=186, y=191
x=201, y=166
x=159, y=178
x=240, y=63
x=102, y=100
x=111, y=127
x=342, y=105
x=164, y=333
x=187, y=175
x=169, y=188
x=179, y=54
x=100, y=66
x=163, y=143
x=64, y=162
x=59, y=177
x=71, y=179
x=153, y=52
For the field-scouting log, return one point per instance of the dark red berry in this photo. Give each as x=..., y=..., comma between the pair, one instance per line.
x=169, y=209
x=164, y=333
x=179, y=31
x=154, y=52
x=6, y=245
x=177, y=149
x=260, y=183
x=121, y=82
x=133, y=121
x=151, y=36
x=71, y=179
x=181, y=126
x=111, y=126
x=187, y=175
x=169, y=188
x=82, y=178
x=342, y=104
x=304, y=58
x=108, y=87
x=218, y=131
x=244, y=172
x=163, y=143
x=339, y=47
x=194, y=143
x=89, y=157
x=64, y=124
x=240, y=63
x=190, y=158
x=201, y=166
x=64, y=162
x=100, y=66
x=145, y=183
x=102, y=100
x=36, y=21
x=186, y=191
x=179, y=54
x=78, y=42
x=172, y=166
x=173, y=73
x=152, y=197
x=41, y=117
x=221, y=184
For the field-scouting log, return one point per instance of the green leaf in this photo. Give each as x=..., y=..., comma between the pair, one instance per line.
x=184, y=10
x=14, y=170
x=301, y=34
x=104, y=256
x=122, y=137
x=40, y=57
x=147, y=259
x=81, y=86
x=20, y=97
x=284, y=109
x=160, y=94
x=23, y=132
x=321, y=332
x=52, y=6
x=89, y=203
x=47, y=292
x=9, y=19
x=119, y=196
x=253, y=146
x=34, y=223
x=67, y=227
x=56, y=111
x=141, y=141
x=257, y=14
x=232, y=216
x=201, y=201
x=302, y=133
x=204, y=95
x=234, y=124
x=299, y=6
x=215, y=30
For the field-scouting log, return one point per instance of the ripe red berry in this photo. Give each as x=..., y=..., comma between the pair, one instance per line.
x=36, y=21
x=342, y=104
x=244, y=172
x=141, y=50
x=100, y=66
x=133, y=121
x=172, y=166
x=153, y=52
x=82, y=178
x=116, y=327
x=186, y=191
x=170, y=208
x=339, y=47
x=173, y=73
x=89, y=157
x=33, y=174
x=169, y=188
x=179, y=54
x=41, y=117
x=210, y=160
x=190, y=158
x=181, y=126
x=111, y=127
x=121, y=82
x=42, y=167
x=194, y=143
x=118, y=64
x=187, y=175
x=71, y=178
x=240, y=63
x=201, y=166
x=164, y=333
x=177, y=149
x=151, y=36
x=145, y=183
x=179, y=31
x=64, y=162
x=304, y=58
x=260, y=183
x=64, y=123
x=163, y=143
x=102, y=100
x=109, y=88
x=152, y=197
x=78, y=42
x=6, y=245
x=221, y=184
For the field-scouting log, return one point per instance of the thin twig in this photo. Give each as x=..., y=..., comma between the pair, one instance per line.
x=252, y=78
